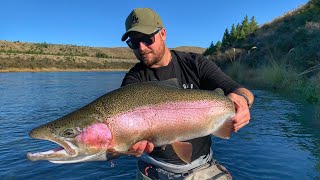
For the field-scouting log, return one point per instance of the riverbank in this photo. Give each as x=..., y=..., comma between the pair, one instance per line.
x=59, y=70
x=303, y=86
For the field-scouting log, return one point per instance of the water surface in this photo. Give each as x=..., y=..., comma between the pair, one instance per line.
x=281, y=142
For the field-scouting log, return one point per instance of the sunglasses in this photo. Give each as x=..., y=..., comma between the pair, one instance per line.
x=145, y=39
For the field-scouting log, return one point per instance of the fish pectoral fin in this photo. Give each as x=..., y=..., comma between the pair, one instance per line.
x=225, y=130
x=183, y=150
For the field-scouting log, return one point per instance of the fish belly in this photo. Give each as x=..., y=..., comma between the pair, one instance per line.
x=167, y=122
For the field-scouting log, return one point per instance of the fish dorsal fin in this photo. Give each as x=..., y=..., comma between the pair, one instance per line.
x=225, y=130
x=183, y=150
x=173, y=82
x=219, y=91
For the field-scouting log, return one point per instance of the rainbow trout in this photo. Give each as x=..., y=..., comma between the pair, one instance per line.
x=160, y=112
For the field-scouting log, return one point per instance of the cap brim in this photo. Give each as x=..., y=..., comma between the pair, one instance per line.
x=141, y=29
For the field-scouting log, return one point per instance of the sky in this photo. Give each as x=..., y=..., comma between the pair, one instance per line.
x=101, y=23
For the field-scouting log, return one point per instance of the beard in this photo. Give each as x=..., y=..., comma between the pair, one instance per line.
x=151, y=57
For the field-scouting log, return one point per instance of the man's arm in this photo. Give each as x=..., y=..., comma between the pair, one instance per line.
x=132, y=76
x=129, y=79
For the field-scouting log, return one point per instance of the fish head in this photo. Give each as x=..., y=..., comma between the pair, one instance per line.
x=81, y=136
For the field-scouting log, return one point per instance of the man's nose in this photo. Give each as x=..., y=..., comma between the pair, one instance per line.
x=142, y=46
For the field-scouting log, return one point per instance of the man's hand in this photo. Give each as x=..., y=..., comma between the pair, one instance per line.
x=242, y=116
x=142, y=146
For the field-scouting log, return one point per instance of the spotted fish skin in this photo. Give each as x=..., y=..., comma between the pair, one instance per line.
x=160, y=112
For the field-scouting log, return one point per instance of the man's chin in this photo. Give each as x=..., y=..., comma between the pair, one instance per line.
x=149, y=65
x=147, y=62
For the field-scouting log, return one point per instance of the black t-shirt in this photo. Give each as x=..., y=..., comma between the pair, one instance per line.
x=193, y=71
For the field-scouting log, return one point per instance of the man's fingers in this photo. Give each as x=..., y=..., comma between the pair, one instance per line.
x=240, y=125
x=241, y=117
x=149, y=147
x=135, y=146
x=142, y=146
x=240, y=120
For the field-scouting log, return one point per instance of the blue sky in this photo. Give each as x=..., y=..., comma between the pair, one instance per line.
x=101, y=23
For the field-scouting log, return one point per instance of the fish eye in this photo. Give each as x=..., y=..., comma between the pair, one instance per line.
x=70, y=133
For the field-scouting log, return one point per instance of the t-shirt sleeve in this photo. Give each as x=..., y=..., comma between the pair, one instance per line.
x=212, y=77
x=129, y=78
x=132, y=76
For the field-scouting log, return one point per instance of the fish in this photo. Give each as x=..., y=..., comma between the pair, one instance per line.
x=161, y=112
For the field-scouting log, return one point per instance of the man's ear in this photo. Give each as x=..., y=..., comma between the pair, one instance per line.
x=163, y=34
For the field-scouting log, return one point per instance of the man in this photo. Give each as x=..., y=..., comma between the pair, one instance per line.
x=147, y=36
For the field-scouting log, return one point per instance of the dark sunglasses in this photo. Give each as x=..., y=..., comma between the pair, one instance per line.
x=145, y=39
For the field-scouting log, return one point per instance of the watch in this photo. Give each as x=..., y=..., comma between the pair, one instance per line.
x=245, y=97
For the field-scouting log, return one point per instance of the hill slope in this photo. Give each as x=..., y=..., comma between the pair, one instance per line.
x=282, y=55
x=22, y=56
x=293, y=37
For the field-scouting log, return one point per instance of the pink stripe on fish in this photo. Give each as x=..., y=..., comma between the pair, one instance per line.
x=164, y=118
x=96, y=135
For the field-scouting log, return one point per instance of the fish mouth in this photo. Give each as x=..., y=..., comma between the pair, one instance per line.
x=66, y=151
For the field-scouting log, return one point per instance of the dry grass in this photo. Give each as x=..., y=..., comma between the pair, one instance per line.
x=64, y=50
x=21, y=56
x=58, y=70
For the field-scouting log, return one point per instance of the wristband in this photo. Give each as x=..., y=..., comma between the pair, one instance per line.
x=247, y=99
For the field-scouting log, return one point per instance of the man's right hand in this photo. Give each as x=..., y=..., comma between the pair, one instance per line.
x=142, y=146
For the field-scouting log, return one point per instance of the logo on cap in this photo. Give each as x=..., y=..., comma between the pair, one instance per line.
x=134, y=19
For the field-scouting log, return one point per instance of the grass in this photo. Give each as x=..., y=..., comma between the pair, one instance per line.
x=279, y=75
x=281, y=78
x=22, y=56
x=37, y=63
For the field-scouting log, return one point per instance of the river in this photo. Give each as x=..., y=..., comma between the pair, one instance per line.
x=281, y=142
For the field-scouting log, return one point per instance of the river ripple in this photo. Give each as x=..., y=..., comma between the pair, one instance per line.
x=281, y=142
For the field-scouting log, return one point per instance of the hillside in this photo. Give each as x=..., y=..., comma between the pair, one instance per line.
x=22, y=56
x=282, y=55
x=292, y=39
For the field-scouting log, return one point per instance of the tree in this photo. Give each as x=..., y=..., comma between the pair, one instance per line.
x=218, y=46
x=253, y=24
x=226, y=38
x=245, y=26
x=233, y=34
x=238, y=29
x=236, y=34
x=210, y=50
x=242, y=34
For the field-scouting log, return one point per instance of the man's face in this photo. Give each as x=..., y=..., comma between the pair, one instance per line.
x=149, y=49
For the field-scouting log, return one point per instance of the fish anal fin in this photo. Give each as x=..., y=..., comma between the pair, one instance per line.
x=183, y=150
x=225, y=130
